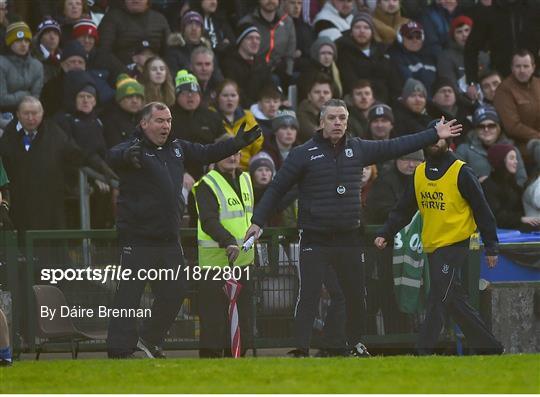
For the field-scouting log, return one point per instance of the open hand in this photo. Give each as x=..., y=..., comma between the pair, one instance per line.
x=449, y=129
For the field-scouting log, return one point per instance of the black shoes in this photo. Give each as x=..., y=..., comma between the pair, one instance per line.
x=149, y=350
x=298, y=353
x=360, y=351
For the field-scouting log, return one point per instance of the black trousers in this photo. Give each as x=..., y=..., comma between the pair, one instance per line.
x=215, y=330
x=447, y=296
x=169, y=294
x=323, y=257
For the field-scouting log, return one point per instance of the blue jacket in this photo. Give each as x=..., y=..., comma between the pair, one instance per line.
x=419, y=65
x=151, y=204
x=329, y=179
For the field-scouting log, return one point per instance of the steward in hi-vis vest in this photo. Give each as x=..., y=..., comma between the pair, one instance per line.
x=452, y=205
x=224, y=199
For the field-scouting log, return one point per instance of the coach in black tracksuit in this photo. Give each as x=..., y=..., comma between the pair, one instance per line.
x=150, y=208
x=328, y=171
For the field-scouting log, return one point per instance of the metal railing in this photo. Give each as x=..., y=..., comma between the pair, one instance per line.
x=275, y=285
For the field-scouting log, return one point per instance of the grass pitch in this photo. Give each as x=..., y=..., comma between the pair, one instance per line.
x=401, y=374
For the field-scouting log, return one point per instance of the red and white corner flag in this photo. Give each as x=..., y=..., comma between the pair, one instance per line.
x=232, y=289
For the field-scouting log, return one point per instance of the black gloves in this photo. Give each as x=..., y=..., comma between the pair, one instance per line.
x=245, y=138
x=132, y=155
x=5, y=220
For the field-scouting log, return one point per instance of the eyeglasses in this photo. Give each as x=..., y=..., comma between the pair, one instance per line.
x=490, y=126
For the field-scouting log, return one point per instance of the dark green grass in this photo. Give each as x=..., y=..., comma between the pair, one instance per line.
x=403, y=374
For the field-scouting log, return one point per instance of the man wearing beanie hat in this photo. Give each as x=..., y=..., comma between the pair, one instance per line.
x=245, y=66
x=73, y=58
x=99, y=61
x=487, y=132
x=20, y=73
x=381, y=126
x=411, y=112
x=361, y=57
x=451, y=61
x=409, y=58
x=127, y=86
x=150, y=208
x=503, y=193
x=328, y=171
x=121, y=116
x=278, y=37
x=47, y=47
x=452, y=207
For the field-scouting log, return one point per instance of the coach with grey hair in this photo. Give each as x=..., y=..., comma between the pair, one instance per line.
x=328, y=171
x=149, y=212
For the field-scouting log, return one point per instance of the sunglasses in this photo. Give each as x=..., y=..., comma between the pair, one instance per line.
x=414, y=36
x=490, y=126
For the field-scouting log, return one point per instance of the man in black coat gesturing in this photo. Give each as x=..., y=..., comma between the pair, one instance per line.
x=150, y=208
x=328, y=171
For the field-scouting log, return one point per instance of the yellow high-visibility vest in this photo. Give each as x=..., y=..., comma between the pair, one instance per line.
x=447, y=217
x=234, y=215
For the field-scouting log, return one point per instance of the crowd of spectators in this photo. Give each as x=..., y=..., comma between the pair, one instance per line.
x=74, y=75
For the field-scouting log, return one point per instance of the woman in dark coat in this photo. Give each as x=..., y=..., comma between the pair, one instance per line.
x=502, y=191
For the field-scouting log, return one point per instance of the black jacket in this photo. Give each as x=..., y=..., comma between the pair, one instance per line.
x=37, y=176
x=409, y=122
x=504, y=197
x=329, y=179
x=251, y=77
x=150, y=205
x=503, y=28
x=469, y=188
x=384, y=194
x=199, y=126
x=118, y=125
x=354, y=65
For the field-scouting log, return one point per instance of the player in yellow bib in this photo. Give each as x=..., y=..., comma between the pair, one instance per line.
x=452, y=205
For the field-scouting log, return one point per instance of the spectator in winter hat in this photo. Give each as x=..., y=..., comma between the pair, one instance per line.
x=261, y=169
x=182, y=44
x=323, y=55
x=73, y=58
x=246, y=66
x=284, y=137
x=20, y=73
x=142, y=51
x=380, y=121
x=503, y=193
x=47, y=47
x=451, y=61
x=410, y=112
x=410, y=59
x=99, y=61
x=278, y=38
x=487, y=132
x=361, y=57
x=122, y=115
